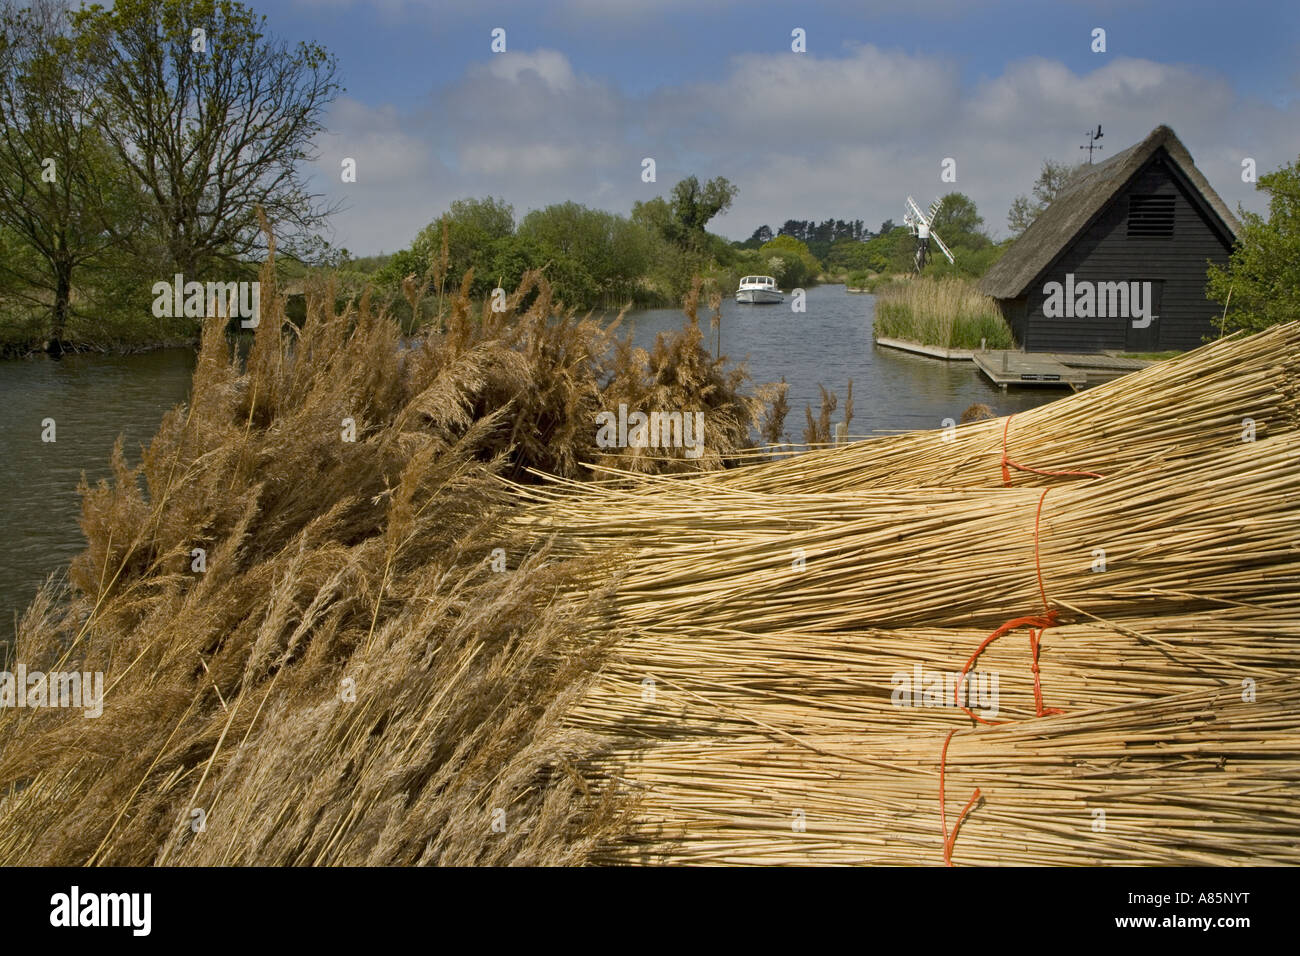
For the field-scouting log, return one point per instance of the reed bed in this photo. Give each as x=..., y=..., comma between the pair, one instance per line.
x=948, y=312
x=309, y=657
x=1201, y=778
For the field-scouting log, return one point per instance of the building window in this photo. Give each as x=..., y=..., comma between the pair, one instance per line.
x=1151, y=217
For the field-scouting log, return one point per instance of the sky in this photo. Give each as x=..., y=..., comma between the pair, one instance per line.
x=883, y=94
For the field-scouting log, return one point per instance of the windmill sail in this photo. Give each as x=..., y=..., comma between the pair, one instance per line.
x=942, y=248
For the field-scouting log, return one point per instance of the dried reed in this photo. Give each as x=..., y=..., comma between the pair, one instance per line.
x=665, y=687
x=310, y=650
x=1202, y=778
x=1185, y=534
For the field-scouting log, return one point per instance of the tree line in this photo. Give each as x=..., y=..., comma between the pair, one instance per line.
x=589, y=256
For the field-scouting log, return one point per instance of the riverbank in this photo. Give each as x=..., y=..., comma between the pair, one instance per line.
x=14, y=350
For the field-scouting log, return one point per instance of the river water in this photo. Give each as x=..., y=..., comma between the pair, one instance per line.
x=94, y=398
x=831, y=343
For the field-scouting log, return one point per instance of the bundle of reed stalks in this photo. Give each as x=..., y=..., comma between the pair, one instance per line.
x=795, y=646
x=1176, y=536
x=890, y=681
x=1204, y=778
x=1178, y=408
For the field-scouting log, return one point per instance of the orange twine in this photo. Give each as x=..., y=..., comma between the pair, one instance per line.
x=1037, y=625
x=1006, y=474
x=948, y=841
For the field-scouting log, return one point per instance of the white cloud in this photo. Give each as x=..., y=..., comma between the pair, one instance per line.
x=803, y=136
x=549, y=66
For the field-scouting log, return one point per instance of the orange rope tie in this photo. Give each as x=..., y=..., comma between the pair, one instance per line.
x=949, y=841
x=1037, y=624
x=1006, y=474
x=1040, y=621
x=1038, y=688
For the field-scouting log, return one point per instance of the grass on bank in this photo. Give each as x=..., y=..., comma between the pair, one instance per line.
x=948, y=313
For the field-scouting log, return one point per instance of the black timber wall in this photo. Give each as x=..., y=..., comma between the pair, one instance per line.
x=1104, y=253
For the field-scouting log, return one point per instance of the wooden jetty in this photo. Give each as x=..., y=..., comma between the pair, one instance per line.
x=1005, y=368
x=933, y=351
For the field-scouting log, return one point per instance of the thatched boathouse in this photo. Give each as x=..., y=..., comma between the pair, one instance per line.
x=1118, y=260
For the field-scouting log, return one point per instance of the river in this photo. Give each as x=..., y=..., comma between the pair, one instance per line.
x=94, y=398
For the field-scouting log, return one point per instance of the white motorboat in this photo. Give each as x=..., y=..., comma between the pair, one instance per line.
x=758, y=290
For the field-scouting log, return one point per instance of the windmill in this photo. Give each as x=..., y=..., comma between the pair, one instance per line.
x=920, y=223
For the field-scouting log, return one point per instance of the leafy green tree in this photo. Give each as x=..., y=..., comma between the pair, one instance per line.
x=694, y=205
x=211, y=118
x=597, y=256
x=490, y=217
x=681, y=245
x=478, y=232
x=569, y=230
x=479, y=236
x=682, y=218
x=60, y=190
x=1261, y=284
x=970, y=262
x=891, y=251
x=789, y=262
x=509, y=257
x=959, y=223
x=654, y=214
x=589, y=256
x=849, y=255
x=631, y=252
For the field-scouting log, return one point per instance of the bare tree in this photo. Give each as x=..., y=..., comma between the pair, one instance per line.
x=1051, y=182
x=212, y=118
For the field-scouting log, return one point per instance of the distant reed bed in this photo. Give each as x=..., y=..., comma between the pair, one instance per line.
x=949, y=313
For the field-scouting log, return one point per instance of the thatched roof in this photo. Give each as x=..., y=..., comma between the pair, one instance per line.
x=1084, y=198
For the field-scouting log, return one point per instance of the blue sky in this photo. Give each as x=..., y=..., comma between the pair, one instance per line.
x=884, y=93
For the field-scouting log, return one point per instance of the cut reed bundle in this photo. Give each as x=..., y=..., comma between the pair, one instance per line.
x=1214, y=530
x=896, y=681
x=1204, y=778
x=758, y=695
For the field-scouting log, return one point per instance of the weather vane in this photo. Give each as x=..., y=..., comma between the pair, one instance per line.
x=1092, y=142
